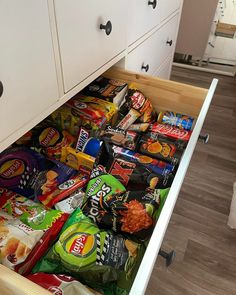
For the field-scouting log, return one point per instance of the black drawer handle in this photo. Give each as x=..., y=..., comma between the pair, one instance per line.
x=169, y=42
x=107, y=27
x=1, y=88
x=153, y=3
x=146, y=68
x=169, y=257
x=204, y=138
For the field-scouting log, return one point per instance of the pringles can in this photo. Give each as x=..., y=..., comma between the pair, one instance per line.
x=175, y=119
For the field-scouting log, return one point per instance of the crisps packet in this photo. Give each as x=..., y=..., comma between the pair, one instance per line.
x=61, y=284
x=138, y=172
x=17, y=240
x=30, y=213
x=97, y=257
x=31, y=174
x=132, y=213
x=64, y=190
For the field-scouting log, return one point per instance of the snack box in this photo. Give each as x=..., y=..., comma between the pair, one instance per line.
x=107, y=89
x=94, y=109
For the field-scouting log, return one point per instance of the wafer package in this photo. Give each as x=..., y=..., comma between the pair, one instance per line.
x=107, y=89
x=127, y=139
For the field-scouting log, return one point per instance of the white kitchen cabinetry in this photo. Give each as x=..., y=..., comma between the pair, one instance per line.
x=152, y=41
x=82, y=51
x=84, y=45
x=150, y=55
x=27, y=64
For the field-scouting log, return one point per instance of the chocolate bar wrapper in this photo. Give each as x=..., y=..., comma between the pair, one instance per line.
x=128, y=119
x=174, y=119
x=127, y=139
x=106, y=89
x=170, y=131
x=88, y=145
x=133, y=174
x=139, y=127
x=155, y=146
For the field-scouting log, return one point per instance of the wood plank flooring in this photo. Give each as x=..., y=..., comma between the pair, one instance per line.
x=205, y=246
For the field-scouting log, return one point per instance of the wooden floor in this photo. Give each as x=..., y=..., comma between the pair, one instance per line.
x=206, y=248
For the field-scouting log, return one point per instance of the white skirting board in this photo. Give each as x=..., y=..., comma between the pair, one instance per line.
x=185, y=66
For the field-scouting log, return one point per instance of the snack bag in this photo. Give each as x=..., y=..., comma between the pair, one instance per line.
x=93, y=109
x=138, y=172
x=132, y=213
x=96, y=256
x=102, y=184
x=48, y=139
x=73, y=202
x=30, y=213
x=29, y=173
x=17, y=240
x=61, y=284
x=66, y=119
x=136, y=107
x=155, y=146
x=128, y=139
x=64, y=190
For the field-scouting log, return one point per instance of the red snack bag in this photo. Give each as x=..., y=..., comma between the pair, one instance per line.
x=61, y=284
x=42, y=246
x=64, y=190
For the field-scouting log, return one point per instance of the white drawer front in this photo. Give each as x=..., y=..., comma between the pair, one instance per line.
x=167, y=7
x=84, y=47
x=146, y=14
x=148, y=56
x=27, y=68
x=142, y=17
x=164, y=70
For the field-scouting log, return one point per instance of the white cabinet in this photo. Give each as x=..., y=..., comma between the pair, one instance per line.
x=84, y=45
x=27, y=65
x=149, y=55
x=81, y=39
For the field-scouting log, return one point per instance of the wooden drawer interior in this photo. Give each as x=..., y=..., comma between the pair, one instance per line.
x=165, y=95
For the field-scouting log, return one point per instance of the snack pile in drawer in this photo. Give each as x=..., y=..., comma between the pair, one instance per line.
x=81, y=192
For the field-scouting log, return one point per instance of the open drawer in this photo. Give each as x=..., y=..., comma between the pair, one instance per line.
x=181, y=98
x=165, y=95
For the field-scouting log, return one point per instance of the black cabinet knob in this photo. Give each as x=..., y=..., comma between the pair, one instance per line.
x=204, y=138
x=107, y=27
x=153, y=3
x=169, y=42
x=146, y=68
x=1, y=88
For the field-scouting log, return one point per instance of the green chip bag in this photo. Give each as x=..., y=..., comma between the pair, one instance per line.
x=97, y=257
x=30, y=213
